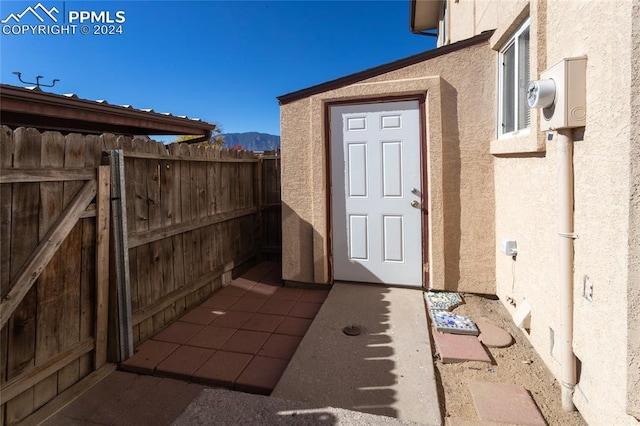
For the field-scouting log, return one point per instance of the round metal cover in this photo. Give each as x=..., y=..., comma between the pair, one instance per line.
x=352, y=330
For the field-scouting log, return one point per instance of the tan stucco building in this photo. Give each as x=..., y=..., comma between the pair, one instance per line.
x=489, y=174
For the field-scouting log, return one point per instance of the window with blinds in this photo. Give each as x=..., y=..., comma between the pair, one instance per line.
x=513, y=79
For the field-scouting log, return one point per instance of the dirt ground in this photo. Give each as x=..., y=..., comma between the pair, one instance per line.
x=518, y=364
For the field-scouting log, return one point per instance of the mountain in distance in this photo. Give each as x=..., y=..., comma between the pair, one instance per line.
x=252, y=141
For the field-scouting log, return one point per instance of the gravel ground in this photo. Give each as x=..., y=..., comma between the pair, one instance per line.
x=518, y=364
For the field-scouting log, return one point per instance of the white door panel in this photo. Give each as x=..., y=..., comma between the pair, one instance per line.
x=377, y=233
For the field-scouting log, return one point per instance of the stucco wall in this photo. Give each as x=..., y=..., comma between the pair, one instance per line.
x=460, y=115
x=606, y=203
x=633, y=289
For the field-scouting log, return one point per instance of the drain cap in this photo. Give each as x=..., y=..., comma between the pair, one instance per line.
x=352, y=330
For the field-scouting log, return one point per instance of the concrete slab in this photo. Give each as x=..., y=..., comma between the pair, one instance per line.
x=386, y=370
x=217, y=406
x=505, y=403
x=459, y=348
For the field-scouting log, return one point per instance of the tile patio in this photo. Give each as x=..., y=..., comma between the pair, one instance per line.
x=241, y=338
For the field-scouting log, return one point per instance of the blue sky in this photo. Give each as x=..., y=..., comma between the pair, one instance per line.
x=221, y=61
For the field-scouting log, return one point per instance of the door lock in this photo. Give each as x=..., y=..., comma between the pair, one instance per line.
x=415, y=204
x=416, y=191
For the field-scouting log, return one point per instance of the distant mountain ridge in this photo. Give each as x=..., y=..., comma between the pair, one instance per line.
x=252, y=141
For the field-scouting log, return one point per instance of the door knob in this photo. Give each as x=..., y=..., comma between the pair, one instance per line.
x=415, y=204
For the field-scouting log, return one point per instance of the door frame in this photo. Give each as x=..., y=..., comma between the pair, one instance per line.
x=424, y=173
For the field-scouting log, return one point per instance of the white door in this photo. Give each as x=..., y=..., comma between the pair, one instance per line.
x=376, y=193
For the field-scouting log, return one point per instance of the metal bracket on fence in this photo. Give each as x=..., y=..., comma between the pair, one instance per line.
x=121, y=252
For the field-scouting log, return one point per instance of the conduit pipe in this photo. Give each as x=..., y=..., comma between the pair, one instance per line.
x=566, y=234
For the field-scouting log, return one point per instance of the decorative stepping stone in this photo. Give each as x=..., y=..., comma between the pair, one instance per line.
x=447, y=322
x=459, y=348
x=493, y=336
x=505, y=403
x=442, y=300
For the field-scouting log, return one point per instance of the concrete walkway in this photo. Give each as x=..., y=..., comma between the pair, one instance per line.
x=332, y=379
x=386, y=370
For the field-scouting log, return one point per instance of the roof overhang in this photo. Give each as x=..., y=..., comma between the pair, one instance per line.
x=424, y=15
x=68, y=114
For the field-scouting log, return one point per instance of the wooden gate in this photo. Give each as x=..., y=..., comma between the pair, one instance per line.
x=54, y=265
x=187, y=219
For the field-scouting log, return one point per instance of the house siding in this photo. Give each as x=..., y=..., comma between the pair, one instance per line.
x=606, y=181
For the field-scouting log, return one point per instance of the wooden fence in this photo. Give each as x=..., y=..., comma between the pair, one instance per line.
x=193, y=218
x=271, y=206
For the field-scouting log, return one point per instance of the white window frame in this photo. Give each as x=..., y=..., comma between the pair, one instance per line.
x=519, y=92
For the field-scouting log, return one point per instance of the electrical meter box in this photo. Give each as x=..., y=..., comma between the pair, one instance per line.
x=569, y=108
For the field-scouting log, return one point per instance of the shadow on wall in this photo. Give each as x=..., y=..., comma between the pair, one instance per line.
x=297, y=247
x=451, y=183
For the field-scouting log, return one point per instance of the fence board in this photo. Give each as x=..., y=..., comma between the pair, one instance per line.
x=24, y=238
x=49, y=286
x=6, y=161
x=95, y=262
x=102, y=266
x=69, y=314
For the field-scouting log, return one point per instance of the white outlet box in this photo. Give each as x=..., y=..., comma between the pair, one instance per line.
x=509, y=247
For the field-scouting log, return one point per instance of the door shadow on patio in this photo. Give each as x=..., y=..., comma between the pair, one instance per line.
x=385, y=370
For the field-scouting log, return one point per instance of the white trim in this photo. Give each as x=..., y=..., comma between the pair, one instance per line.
x=512, y=41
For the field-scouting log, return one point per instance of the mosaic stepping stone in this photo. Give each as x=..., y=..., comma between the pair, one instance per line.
x=447, y=322
x=443, y=300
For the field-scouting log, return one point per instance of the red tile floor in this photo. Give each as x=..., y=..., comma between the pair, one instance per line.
x=241, y=338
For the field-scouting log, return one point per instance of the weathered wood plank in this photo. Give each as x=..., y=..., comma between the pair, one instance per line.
x=19, y=384
x=155, y=284
x=69, y=314
x=178, y=270
x=148, y=311
x=187, y=157
x=48, y=285
x=167, y=197
x=138, y=199
x=24, y=238
x=102, y=265
x=6, y=161
x=177, y=218
x=94, y=147
x=47, y=174
x=138, y=239
x=45, y=250
x=88, y=290
x=174, y=176
x=144, y=291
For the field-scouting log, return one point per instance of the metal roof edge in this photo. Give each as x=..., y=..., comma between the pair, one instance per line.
x=72, y=101
x=382, y=69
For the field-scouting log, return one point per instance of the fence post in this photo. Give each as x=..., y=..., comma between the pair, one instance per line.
x=121, y=254
x=260, y=230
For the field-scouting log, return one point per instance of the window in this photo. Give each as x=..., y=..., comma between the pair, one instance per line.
x=513, y=79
